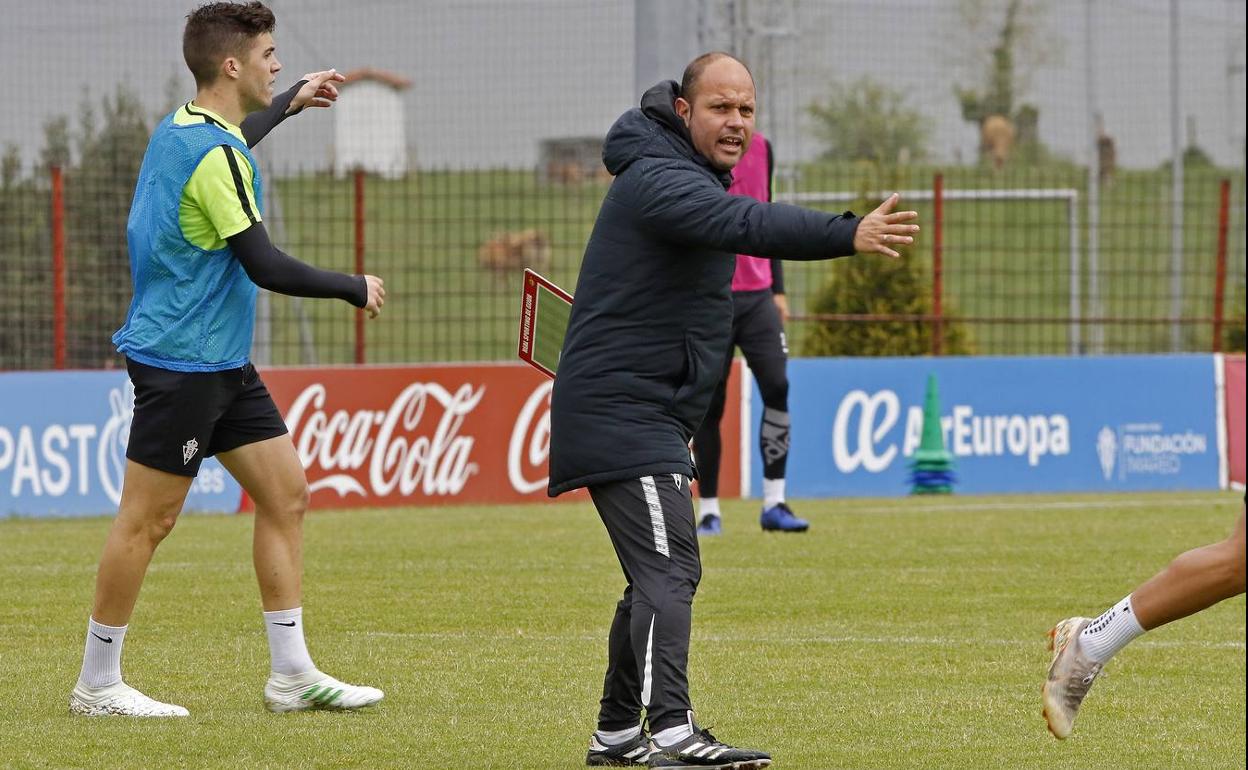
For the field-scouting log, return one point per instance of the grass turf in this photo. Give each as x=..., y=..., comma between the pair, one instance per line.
x=896, y=633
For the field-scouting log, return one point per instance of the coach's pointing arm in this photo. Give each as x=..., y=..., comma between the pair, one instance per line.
x=688, y=207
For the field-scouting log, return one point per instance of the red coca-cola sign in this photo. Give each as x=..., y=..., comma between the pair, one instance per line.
x=435, y=434
x=1235, y=451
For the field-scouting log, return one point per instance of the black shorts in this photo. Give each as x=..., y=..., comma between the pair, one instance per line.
x=182, y=417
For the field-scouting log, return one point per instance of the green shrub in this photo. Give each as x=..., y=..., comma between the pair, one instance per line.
x=1233, y=336
x=879, y=286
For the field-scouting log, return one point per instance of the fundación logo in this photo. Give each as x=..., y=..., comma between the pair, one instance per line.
x=1147, y=449
x=1107, y=450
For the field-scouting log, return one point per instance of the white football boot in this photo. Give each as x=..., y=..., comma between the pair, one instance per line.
x=118, y=700
x=316, y=690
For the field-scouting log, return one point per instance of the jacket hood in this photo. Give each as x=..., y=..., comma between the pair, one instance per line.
x=653, y=131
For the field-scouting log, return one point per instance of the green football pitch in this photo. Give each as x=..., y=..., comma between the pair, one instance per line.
x=904, y=633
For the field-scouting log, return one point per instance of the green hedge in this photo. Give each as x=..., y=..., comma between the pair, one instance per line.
x=879, y=285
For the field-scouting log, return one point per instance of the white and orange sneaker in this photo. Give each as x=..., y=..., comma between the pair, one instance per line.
x=1071, y=675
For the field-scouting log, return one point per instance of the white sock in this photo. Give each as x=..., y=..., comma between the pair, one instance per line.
x=674, y=735
x=773, y=492
x=101, y=662
x=1110, y=632
x=616, y=737
x=288, y=653
x=708, y=506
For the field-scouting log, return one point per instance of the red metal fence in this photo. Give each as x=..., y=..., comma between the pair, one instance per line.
x=1007, y=259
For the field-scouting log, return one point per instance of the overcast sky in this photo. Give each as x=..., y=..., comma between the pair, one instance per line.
x=493, y=77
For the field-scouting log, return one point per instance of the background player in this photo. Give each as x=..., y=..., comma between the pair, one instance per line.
x=759, y=310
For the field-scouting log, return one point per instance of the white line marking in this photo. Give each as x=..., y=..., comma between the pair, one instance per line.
x=963, y=505
x=934, y=641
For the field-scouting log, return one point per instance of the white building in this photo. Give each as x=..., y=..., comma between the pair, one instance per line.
x=369, y=124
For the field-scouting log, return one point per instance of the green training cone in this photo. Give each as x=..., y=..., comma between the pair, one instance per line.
x=931, y=470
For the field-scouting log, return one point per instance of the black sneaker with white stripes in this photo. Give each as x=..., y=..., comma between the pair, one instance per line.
x=701, y=751
x=632, y=753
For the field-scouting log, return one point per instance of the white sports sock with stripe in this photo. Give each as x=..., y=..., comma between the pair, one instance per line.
x=288, y=652
x=773, y=492
x=1110, y=632
x=708, y=506
x=616, y=737
x=101, y=661
x=672, y=735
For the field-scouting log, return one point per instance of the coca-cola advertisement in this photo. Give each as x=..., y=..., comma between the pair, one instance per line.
x=434, y=434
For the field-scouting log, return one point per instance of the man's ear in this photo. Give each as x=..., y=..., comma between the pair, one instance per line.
x=683, y=109
x=230, y=67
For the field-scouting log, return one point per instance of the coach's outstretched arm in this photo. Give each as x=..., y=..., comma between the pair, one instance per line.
x=686, y=206
x=271, y=268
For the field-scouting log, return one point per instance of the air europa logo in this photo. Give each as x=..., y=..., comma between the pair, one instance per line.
x=876, y=415
x=864, y=422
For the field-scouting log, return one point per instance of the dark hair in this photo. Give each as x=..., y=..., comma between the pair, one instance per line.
x=693, y=73
x=217, y=30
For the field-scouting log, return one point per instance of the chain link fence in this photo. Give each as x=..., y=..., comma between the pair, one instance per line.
x=1079, y=166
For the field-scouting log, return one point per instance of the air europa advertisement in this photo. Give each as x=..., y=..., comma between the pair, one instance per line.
x=1012, y=424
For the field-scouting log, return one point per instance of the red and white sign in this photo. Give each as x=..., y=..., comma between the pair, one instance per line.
x=1233, y=371
x=436, y=434
x=529, y=301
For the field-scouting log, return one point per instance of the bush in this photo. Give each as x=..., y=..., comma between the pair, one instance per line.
x=867, y=120
x=100, y=162
x=1233, y=336
x=98, y=189
x=879, y=286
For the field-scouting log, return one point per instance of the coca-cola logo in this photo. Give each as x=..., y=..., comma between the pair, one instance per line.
x=412, y=445
x=530, y=442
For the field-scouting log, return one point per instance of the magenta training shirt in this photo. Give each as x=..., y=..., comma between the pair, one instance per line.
x=750, y=178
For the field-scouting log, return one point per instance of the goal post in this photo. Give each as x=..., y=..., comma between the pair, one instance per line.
x=1070, y=195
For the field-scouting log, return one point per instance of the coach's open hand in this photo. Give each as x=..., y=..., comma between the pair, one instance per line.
x=319, y=91
x=883, y=228
x=376, y=295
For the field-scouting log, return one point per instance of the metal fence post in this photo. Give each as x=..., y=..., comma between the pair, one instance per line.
x=938, y=278
x=1219, y=281
x=359, y=260
x=1176, y=189
x=1075, y=334
x=58, y=268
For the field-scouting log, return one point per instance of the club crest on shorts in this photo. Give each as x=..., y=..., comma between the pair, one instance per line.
x=188, y=450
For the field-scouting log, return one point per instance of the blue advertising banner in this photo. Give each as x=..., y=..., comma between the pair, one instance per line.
x=1121, y=423
x=63, y=447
